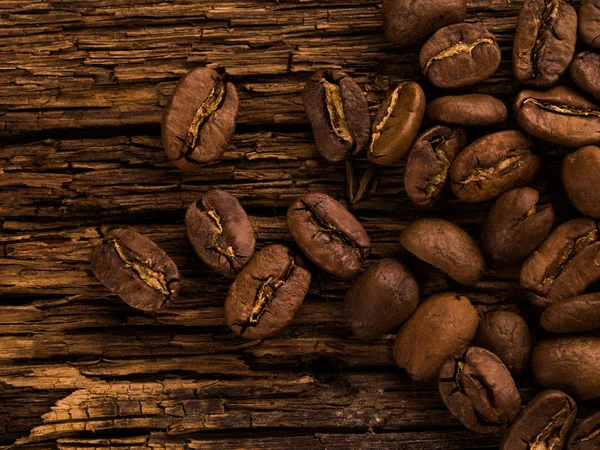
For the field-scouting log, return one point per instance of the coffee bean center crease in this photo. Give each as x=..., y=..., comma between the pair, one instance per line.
x=461, y=47
x=151, y=277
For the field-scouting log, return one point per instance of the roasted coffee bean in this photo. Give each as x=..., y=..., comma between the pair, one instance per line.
x=585, y=71
x=137, y=270
x=559, y=115
x=565, y=264
x=492, y=165
x=515, y=226
x=543, y=424
x=339, y=114
x=445, y=246
x=589, y=22
x=571, y=364
x=472, y=110
x=581, y=178
x=507, y=335
x=412, y=23
x=428, y=165
x=220, y=232
x=575, y=314
x=397, y=123
x=479, y=391
x=328, y=234
x=441, y=327
x=544, y=42
x=383, y=297
x=459, y=55
x=586, y=434
x=199, y=120
x=266, y=294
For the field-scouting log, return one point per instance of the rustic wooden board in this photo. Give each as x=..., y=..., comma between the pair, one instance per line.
x=82, y=87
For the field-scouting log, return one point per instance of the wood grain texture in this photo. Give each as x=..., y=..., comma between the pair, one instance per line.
x=82, y=87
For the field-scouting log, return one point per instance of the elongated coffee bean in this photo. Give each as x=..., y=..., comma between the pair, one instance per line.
x=199, y=120
x=586, y=434
x=589, y=22
x=137, y=270
x=428, y=165
x=339, y=114
x=516, y=226
x=543, y=424
x=266, y=294
x=397, y=123
x=544, y=42
x=581, y=178
x=572, y=315
x=328, y=234
x=220, y=232
x=459, y=55
x=585, y=71
x=474, y=110
x=565, y=264
x=492, y=165
x=559, y=115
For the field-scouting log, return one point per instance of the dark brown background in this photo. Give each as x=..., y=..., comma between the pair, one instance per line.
x=82, y=87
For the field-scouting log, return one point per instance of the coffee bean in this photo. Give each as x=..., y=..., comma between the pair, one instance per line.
x=441, y=327
x=445, y=246
x=328, y=234
x=515, y=226
x=571, y=364
x=479, y=391
x=459, y=55
x=586, y=434
x=492, y=165
x=220, y=232
x=474, y=110
x=199, y=121
x=589, y=22
x=411, y=23
x=507, y=335
x=428, y=165
x=383, y=297
x=339, y=114
x=565, y=264
x=559, y=115
x=397, y=123
x=543, y=424
x=575, y=314
x=544, y=42
x=585, y=71
x=137, y=270
x=266, y=294
x=581, y=178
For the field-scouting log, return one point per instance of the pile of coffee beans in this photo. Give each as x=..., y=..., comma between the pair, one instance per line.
x=476, y=360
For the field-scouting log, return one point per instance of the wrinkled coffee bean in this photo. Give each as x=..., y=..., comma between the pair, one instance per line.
x=199, y=121
x=397, y=123
x=565, y=264
x=581, y=178
x=589, y=22
x=459, y=55
x=571, y=364
x=479, y=391
x=515, y=226
x=266, y=294
x=412, y=23
x=543, y=424
x=492, y=165
x=445, y=246
x=586, y=434
x=328, y=234
x=575, y=314
x=585, y=71
x=220, y=232
x=428, y=164
x=137, y=270
x=559, y=115
x=544, y=42
x=339, y=114
x=474, y=110
x=383, y=297
x=441, y=327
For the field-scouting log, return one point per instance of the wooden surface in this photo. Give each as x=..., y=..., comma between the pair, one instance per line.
x=82, y=87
